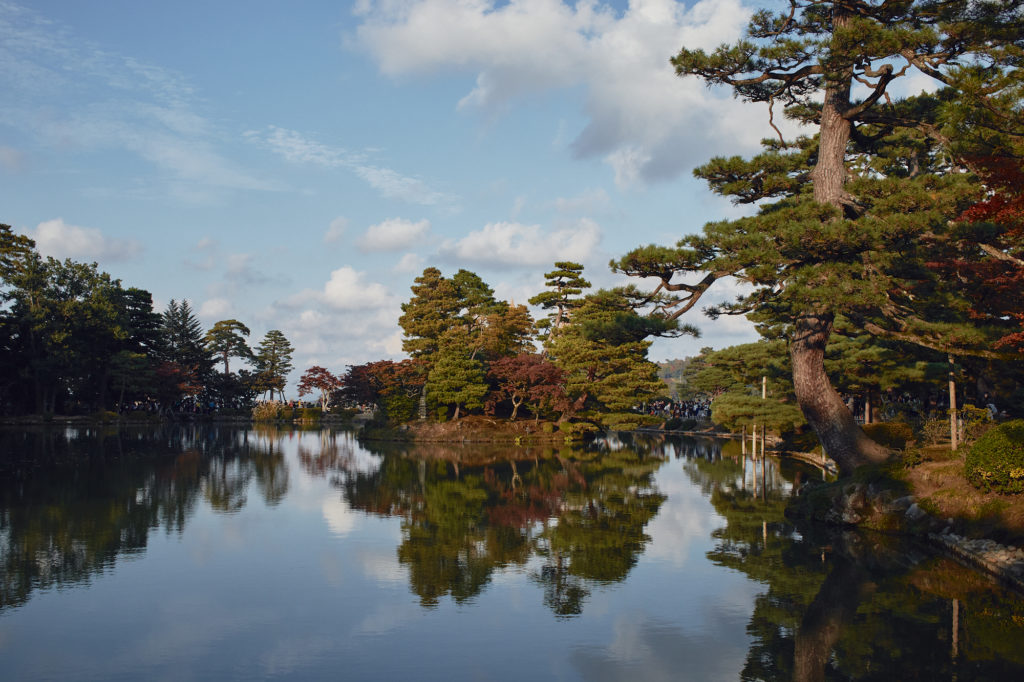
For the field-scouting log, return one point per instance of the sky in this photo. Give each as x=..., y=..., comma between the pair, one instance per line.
x=296, y=165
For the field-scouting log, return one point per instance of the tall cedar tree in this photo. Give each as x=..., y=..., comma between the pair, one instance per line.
x=273, y=362
x=845, y=233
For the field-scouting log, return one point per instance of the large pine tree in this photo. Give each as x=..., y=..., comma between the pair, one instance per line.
x=856, y=204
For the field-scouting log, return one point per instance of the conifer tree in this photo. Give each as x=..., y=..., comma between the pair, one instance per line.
x=857, y=204
x=456, y=379
x=227, y=339
x=604, y=356
x=183, y=339
x=432, y=310
x=273, y=362
x=565, y=286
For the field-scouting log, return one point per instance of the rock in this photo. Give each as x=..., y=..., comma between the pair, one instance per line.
x=904, y=502
x=915, y=513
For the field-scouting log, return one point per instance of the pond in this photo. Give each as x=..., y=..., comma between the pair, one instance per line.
x=216, y=553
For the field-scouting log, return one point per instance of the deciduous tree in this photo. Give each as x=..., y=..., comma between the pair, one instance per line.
x=316, y=378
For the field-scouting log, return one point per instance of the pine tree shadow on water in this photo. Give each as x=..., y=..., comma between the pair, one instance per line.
x=855, y=605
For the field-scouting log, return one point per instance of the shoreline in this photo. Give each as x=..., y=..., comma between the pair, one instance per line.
x=853, y=505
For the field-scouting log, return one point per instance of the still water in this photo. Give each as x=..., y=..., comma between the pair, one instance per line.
x=218, y=553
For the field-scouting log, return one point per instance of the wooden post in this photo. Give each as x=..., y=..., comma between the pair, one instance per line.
x=743, y=440
x=956, y=628
x=952, y=405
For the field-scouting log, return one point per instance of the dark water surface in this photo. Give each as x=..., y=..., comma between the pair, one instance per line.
x=219, y=553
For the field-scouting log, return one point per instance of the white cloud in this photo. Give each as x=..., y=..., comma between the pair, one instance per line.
x=393, y=234
x=643, y=120
x=349, y=290
x=297, y=148
x=346, y=290
x=524, y=245
x=390, y=345
x=410, y=262
x=62, y=240
x=215, y=309
x=335, y=230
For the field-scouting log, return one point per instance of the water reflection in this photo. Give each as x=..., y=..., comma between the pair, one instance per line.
x=469, y=511
x=72, y=501
x=569, y=523
x=850, y=605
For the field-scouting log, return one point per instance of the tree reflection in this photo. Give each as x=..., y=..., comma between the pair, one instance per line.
x=815, y=620
x=470, y=511
x=72, y=502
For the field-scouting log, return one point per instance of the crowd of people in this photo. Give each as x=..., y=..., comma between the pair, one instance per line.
x=699, y=410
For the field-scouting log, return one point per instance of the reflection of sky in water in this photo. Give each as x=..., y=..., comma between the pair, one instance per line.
x=306, y=586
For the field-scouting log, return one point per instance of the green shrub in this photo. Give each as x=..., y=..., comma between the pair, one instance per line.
x=548, y=427
x=310, y=414
x=975, y=422
x=894, y=435
x=996, y=461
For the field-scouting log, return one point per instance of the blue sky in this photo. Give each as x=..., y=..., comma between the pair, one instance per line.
x=296, y=165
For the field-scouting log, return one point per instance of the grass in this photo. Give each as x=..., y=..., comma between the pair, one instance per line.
x=936, y=478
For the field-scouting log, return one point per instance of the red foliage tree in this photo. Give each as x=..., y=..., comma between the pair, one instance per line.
x=374, y=382
x=530, y=378
x=990, y=258
x=317, y=378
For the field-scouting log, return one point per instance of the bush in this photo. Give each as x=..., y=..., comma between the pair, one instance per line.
x=310, y=414
x=934, y=431
x=266, y=412
x=548, y=427
x=996, y=461
x=893, y=435
x=975, y=422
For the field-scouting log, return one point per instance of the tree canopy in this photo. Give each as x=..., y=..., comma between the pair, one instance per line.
x=848, y=217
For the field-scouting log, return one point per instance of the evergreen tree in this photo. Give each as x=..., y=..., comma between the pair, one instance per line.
x=273, y=362
x=565, y=286
x=456, y=378
x=183, y=339
x=857, y=205
x=227, y=339
x=604, y=356
x=433, y=309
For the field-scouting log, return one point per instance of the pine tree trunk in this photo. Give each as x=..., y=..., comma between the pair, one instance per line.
x=844, y=441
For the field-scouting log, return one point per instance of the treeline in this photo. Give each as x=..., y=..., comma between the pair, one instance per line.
x=751, y=386
x=75, y=340
x=472, y=353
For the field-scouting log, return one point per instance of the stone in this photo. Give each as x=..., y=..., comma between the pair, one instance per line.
x=915, y=513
